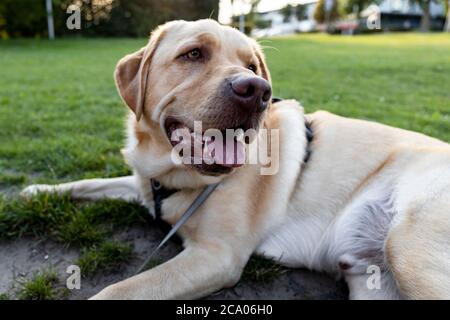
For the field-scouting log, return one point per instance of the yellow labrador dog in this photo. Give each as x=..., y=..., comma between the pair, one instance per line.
x=362, y=200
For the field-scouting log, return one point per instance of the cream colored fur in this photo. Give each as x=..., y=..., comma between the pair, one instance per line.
x=369, y=195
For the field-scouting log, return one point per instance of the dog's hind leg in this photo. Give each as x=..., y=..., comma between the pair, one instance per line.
x=418, y=250
x=124, y=188
x=373, y=285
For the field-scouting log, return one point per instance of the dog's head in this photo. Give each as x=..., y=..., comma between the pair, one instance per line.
x=196, y=71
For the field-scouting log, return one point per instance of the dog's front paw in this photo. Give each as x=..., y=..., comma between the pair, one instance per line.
x=35, y=189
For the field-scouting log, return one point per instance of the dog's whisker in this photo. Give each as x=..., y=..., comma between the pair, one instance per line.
x=264, y=40
x=270, y=47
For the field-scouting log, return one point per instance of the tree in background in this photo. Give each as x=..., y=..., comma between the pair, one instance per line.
x=356, y=6
x=425, y=21
x=250, y=19
x=299, y=11
x=23, y=18
x=322, y=16
x=27, y=18
x=138, y=17
x=447, y=20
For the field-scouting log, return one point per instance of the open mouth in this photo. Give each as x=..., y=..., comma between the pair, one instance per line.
x=211, y=151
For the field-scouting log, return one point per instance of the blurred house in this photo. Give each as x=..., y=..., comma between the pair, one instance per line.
x=386, y=15
x=278, y=23
x=402, y=15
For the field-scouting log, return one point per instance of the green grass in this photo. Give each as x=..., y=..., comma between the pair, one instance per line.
x=84, y=225
x=60, y=115
x=5, y=296
x=259, y=269
x=107, y=257
x=11, y=179
x=60, y=218
x=61, y=119
x=41, y=286
x=398, y=79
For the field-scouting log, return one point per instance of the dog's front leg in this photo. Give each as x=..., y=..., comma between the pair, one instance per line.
x=195, y=272
x=125, y=188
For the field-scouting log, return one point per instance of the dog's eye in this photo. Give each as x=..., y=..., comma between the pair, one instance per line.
x=194, y=54
x=252, y=67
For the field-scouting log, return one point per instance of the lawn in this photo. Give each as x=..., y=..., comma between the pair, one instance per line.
x=61, y=118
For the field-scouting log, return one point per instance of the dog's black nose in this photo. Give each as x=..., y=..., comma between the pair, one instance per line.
x=252, y=92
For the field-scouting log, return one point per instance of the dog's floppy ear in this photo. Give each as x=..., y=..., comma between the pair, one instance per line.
x=262, y=63
x=131, y=74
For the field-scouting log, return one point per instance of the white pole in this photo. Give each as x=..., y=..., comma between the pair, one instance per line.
x=51, y=27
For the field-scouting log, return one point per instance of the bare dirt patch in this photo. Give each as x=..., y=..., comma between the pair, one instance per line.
x=24, y=257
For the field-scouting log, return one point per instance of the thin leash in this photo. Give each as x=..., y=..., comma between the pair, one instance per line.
x=201, y=198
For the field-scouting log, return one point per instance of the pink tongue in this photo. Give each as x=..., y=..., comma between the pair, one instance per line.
x=231, y=154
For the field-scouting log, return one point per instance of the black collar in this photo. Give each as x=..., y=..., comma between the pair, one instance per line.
x=308, y=132
x=309, y=139
x=160, y=192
